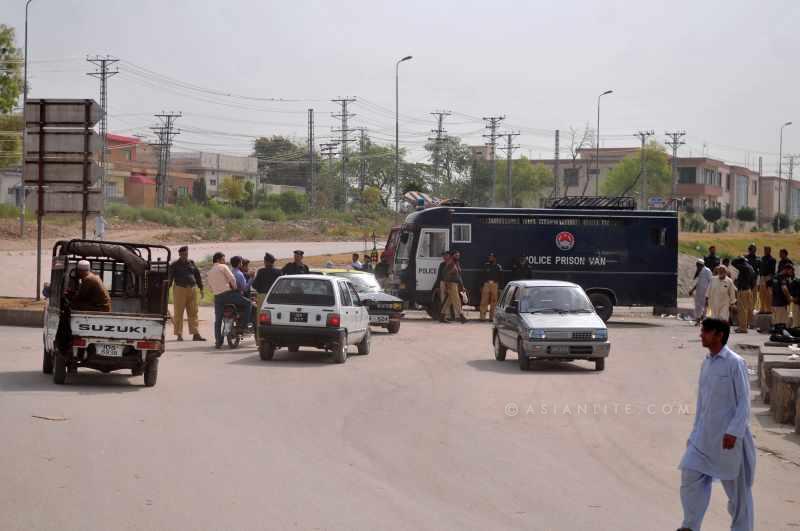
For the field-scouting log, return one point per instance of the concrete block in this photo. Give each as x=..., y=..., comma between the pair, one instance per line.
x=771, y=350
x=783, y=403
x=769, y=363
x=762, y=322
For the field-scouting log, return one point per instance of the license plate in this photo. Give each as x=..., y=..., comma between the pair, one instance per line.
x=378, y=319
x=111, y=351
x=559, y=349
x=298, y=317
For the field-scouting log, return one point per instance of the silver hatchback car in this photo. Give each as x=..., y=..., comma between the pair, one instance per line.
x=548, y=320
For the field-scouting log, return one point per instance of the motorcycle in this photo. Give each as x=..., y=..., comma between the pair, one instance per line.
x=233, y=330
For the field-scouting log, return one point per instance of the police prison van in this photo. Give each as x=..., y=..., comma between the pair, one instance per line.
x=620, y=256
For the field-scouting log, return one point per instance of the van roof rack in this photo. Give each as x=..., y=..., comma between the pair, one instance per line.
x=589, y=202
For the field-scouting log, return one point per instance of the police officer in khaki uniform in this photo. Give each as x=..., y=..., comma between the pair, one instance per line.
x=491, y=279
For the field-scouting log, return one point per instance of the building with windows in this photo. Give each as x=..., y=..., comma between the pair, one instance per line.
x=214, y=168
x=704, y=182
x=778, y=195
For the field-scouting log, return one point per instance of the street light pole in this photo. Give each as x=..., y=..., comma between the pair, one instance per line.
x=780, y=168
x=21, y=193
x=397, y=132
x=597, y=149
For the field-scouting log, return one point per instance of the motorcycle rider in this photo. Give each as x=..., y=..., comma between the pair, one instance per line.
x=223, y=285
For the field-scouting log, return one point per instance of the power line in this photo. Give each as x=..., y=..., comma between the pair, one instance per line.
x=102, y=73
x=166, y=133
x=643, y=135
x=509, y=151
x=441, y=135
x=491, y=124
x=344, y=130
x=675, y=141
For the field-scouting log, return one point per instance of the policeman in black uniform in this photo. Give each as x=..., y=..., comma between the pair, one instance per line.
x=297, y=267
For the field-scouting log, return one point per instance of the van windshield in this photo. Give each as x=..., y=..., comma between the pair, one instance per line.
x=302, y=291
x=545, y=299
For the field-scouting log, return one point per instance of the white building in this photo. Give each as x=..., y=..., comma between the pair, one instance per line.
x=214, y=168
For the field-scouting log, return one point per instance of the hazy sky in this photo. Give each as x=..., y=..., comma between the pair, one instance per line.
x=723, y=70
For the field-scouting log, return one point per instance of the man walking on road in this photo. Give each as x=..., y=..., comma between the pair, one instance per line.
x=720, y=445
x=766, y=276
x=454, y=283
x=185, y=279
x=702, y=278
x=297, y=267
x=721, y=295
x=491, y=279
x=745, y=283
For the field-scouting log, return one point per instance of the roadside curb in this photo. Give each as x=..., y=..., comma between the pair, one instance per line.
x=27, y=313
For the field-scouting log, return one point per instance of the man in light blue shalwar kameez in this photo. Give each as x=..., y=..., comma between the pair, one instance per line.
x=721, y=445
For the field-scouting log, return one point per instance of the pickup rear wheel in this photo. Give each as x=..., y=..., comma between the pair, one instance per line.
x=266, y=351
x=499, y=350
x=340, y=349
x=151, y=372
x=602, y=305
x=524, y=360
x=47, y=362
x=59, y=369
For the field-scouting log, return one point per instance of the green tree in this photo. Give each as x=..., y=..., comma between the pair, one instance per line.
x=455, y=163
x=199, y=192
x=10, y=70
x=529, y=183
x=232, y=190
x=712, y=214
x=371, y=196
x=282, y=160
x=624, y=179
x=10, y=140
x=746, y=214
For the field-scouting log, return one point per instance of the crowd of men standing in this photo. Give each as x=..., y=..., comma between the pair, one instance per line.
x=732, y=290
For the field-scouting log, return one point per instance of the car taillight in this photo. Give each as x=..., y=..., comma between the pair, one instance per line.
x=334, y=320
x=265, y=318
x=148, y=345
x=78, y=342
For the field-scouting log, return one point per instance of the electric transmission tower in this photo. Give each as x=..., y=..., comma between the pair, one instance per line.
x=343, y=131
x=675, y=141
x=165, y=132
x=328, y=149
x=438, y=140
x=509, y=150
x=491, y=124
x=103, y=72
x=362, y=166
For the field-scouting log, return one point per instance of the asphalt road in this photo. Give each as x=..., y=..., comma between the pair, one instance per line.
x=19, y=267
x=427, y=432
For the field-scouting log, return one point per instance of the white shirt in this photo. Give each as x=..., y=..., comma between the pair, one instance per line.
x=722, y=293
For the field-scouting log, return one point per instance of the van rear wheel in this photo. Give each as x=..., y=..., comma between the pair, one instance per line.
x=47, y=362
x=602, y=305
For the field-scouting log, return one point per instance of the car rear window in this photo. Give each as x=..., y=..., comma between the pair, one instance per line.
x=302, y=291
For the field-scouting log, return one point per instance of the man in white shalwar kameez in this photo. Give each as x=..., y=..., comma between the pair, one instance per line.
x=702, y=278
x=720, y=445
x=721, y=295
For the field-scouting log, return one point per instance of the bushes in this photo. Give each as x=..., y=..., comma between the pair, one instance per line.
x=721, y=225
x=693, y=223
x=746, y=214
x=8, y=211
x=712, y=214
x=270, y=214
x=780, y=222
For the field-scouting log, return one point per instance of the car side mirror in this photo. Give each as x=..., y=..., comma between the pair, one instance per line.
x=513, y=307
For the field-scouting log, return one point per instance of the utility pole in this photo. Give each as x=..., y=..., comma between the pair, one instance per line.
x=791, y=159
x=311, y=180
x=103, y=73
x=344, y=115
x=675, y=141
x=556, y=169
x=642, y=175
x=165, y=133
x=362, y=167
x=491, y=124
x=329, y=149
x=509, y=150
x=437, y=140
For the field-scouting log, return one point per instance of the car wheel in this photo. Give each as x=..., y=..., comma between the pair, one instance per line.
x=600, y=364
x=151, y=372
x=499, y=349
x=393, y=328
x=59, y=369
x=47, y=362
x=363, y=347
x=294, y=348
x=233, y=340
x=340, y=349
x=524, y=360
x=602, y=305
x=266, y=351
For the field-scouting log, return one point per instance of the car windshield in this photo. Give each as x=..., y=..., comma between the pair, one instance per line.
x=363, y=282
x=302, y=291
x=544, y=299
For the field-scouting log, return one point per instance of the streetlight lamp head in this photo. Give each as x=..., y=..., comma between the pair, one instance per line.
x=406, y=58
x=787, y=123
x=607, y=92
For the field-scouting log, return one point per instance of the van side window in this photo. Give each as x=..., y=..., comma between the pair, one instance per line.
x=462, y=233
x=658, y=236
x=432, y=244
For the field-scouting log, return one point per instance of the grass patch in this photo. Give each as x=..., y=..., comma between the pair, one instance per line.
x=730, y=245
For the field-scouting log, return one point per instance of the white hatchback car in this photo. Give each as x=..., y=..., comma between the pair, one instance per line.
x=313, y=311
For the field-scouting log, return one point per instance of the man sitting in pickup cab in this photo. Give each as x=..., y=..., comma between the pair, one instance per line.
x=92, y=295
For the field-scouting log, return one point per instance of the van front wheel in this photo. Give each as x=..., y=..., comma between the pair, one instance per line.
x=602, y=305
